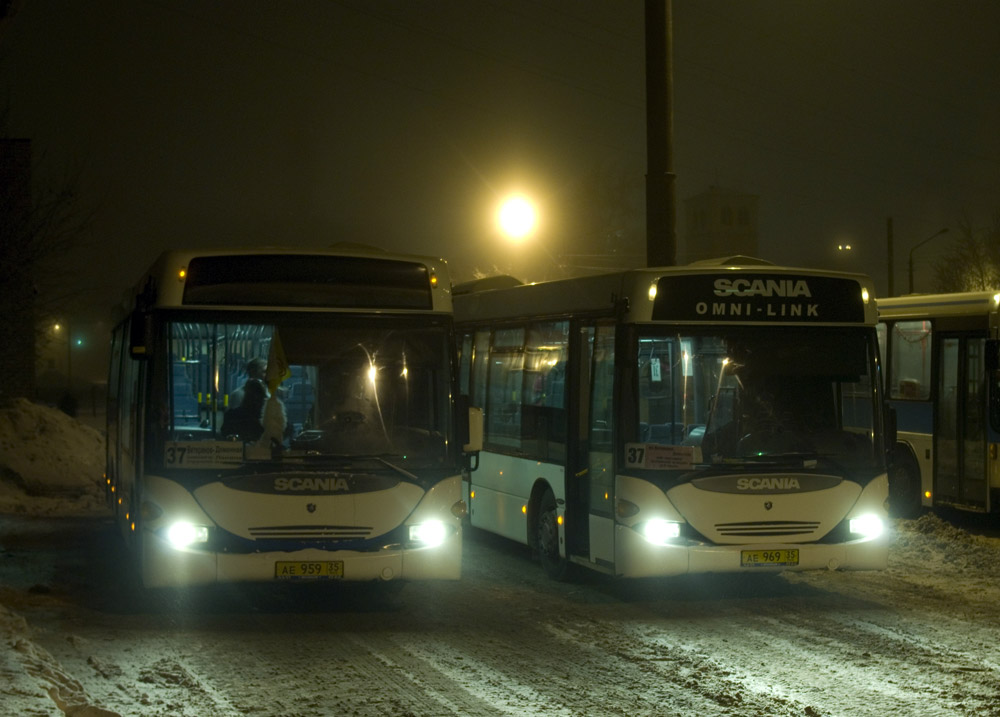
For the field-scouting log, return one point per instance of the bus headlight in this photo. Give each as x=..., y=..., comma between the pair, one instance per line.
x=183, y=534
x=660, y=531
x=429, y=534
x=867, y=526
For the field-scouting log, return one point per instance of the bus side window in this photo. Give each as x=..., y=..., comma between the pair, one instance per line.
x=910, y=371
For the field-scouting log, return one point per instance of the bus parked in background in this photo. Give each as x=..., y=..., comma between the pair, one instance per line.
x=722, y=416
x=278, y=414
x=941, y=359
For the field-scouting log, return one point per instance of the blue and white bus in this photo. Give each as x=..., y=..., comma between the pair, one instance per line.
x=722, y=416
x=347, y=465
x=941, y=362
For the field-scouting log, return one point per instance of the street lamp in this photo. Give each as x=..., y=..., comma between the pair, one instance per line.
x=59, y=328
x=920, y=244
x=517, y=217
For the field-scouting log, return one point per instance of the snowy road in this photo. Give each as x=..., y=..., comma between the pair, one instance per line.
x=922, y=638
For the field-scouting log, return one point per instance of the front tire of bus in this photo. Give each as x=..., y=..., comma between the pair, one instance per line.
x=904, y=485
x=547, y=539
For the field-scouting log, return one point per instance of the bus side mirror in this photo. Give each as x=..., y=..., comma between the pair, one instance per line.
x=474, y=444
x=890, y=430
x=140, y=333
x=470, y=425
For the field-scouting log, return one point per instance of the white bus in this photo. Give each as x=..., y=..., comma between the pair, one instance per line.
x=941, y=363
x=723, y=416
x=344, y=462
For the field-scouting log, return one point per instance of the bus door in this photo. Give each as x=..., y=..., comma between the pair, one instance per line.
x=594, y=465
x=960, y=434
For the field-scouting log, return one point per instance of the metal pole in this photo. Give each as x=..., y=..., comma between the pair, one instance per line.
x=661, y=212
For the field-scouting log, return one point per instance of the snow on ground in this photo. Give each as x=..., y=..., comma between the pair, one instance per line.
x=50, y=464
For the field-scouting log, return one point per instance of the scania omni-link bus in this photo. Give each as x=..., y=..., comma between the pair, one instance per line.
x=342, y=459
x=722, y=416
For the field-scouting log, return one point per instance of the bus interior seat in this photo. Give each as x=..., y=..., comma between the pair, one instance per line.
x=667, y=433
x=696, y=432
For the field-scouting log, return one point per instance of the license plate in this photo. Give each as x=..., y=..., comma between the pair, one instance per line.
x=290, y=569
x=783, y=557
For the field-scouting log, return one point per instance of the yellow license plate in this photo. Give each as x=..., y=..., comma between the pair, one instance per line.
x=289, y=569
x=783, y=557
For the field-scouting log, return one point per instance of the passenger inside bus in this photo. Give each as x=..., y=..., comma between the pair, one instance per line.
x=244, y=421
x=256, y=371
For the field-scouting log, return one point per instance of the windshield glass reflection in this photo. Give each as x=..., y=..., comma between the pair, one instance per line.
x=760, y=394
x=309, y=387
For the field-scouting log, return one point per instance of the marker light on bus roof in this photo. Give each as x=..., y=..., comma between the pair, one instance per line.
x=864, y=295
x=652, y=291
x=996, y=299
x=182, y=274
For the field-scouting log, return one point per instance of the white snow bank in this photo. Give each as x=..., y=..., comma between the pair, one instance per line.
x=50, y=464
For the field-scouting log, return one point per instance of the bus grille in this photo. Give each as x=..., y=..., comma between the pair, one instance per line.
x=311, y=532
x=767, y=529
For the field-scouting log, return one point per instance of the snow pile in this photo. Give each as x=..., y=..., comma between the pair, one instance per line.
x=936, y=545
x=50, y=463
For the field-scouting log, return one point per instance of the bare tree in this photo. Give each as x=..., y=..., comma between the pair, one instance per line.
x=973, y=262
x=603, y=228
x=38, y=226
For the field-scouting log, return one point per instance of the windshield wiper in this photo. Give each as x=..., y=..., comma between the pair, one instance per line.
x=343, y=459
x=398, y=469
x=807, y=459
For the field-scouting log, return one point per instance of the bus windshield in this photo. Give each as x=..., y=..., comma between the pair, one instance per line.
x=760, y=395
x=370, y=387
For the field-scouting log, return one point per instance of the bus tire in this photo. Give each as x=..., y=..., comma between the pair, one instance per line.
x=547, y=538
x=904, y=485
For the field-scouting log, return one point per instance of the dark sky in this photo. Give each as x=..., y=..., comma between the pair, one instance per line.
x=400, y=122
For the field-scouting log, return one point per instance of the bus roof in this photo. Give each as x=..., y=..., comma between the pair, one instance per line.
x=167, y=283
x=928, y=305
x=719, y=286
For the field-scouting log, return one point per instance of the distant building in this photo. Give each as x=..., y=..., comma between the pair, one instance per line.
x=720, y=222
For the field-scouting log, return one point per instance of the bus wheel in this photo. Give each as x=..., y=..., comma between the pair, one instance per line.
x=904, y=487
x=547, y=539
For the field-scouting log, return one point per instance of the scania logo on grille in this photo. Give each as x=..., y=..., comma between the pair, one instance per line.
x=331, y=485
x=311, y=507
x=771, y=484
x=767, y=484
x=302, y=483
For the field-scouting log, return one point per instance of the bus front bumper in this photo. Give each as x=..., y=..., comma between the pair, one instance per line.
x=165, y=566
x=637, y=557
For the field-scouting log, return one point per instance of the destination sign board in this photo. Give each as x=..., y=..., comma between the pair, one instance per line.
x=758, y=297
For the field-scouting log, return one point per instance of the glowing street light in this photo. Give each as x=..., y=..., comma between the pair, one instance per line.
x=60, y=328
x=517, y=217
